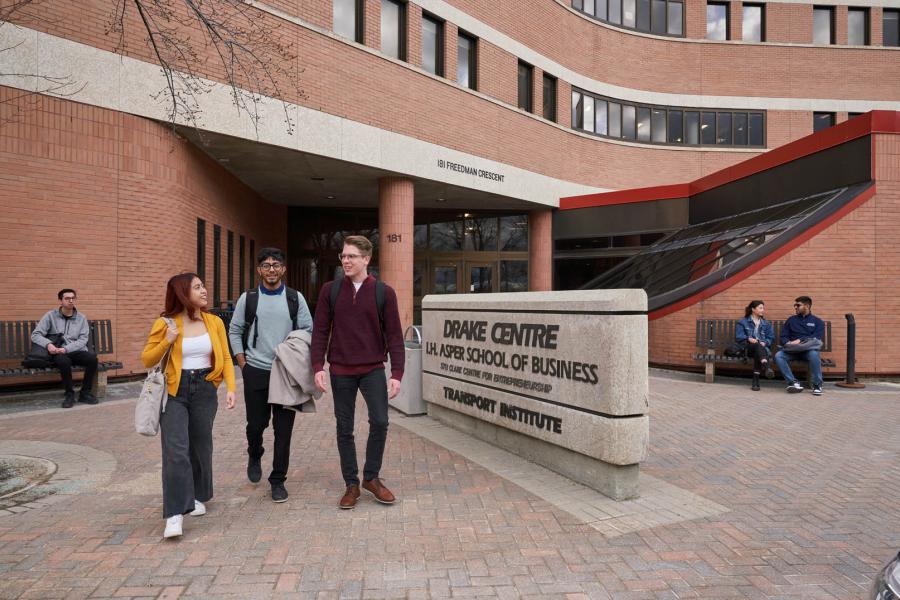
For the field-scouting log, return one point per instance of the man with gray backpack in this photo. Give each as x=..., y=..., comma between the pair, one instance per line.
x=263, y=318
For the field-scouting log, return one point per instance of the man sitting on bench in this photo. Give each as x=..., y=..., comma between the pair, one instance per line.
x=801, y=338
x=64, y=333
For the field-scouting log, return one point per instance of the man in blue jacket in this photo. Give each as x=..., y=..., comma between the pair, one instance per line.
x=799, y=330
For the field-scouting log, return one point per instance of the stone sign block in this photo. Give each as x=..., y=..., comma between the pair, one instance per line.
x=558, y=377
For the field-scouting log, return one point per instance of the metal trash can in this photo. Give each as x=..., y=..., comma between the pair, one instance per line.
x=409, y=400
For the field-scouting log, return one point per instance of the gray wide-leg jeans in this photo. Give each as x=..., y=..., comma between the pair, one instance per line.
x=187, y=446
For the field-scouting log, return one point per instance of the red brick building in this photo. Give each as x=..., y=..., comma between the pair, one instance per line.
x=447, y=130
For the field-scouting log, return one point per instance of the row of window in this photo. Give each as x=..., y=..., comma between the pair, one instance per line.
x=348, y=22
x=662, y=17
x=824, y=120
x=229, y=262
x=666, y=125
x=718, y=22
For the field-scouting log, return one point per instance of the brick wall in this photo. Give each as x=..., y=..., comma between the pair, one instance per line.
x=853, y=266
x=108, y=203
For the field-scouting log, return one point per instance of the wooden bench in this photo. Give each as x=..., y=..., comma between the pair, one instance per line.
x=15, y=343
x=714, y=335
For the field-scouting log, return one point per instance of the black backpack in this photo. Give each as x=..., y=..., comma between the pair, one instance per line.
x=252, y=301
x=379, y=301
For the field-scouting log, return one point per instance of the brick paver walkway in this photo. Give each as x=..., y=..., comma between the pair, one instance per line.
x=760, y=495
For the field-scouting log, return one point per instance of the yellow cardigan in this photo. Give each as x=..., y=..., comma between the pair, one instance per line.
x=157, y=345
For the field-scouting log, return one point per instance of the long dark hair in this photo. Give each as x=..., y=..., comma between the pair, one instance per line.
x=753, y=304
x=178, y=296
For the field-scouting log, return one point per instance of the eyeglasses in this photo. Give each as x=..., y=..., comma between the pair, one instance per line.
x=344, y=257
x=269, y=266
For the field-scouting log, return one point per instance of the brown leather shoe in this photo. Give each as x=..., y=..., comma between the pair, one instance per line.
x=348, y=500
x=377, y=489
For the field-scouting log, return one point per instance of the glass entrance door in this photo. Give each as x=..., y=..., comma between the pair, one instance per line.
x=445, y=278
x=480, y=278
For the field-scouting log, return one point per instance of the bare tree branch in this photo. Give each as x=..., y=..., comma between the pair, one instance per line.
x=192, y=39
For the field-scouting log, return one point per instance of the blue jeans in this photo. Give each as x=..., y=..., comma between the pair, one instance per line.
x=782, y=359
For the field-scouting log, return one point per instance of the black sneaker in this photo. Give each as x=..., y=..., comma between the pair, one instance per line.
x=69, y=400
x=254, y=469
x=817, y=390
x=279, y=494
x=87, y=398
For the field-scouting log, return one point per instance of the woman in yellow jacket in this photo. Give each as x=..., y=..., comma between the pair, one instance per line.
x=198, y=362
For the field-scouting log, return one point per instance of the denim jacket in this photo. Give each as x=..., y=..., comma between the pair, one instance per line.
x=745, y=327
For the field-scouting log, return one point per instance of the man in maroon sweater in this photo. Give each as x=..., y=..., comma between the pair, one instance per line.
x=351, y=331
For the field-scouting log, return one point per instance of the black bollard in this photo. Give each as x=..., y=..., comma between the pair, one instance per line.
x=850, y=381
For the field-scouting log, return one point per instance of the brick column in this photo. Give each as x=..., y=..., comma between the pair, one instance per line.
x=876, y=25
x=413, y=34
x=451, y=34
x=840, y=25
x=537, y=92
x=395, y=229
x=540, y=250
x=563, y=103
x=736, y=10
x=372, y=24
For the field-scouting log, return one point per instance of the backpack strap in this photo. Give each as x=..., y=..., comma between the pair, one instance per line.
x=293, y=302
x=250, y=304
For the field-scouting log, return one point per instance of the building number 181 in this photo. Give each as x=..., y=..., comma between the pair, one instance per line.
x=394, y=237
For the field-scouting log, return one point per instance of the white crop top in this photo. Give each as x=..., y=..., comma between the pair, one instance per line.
x=196, y=352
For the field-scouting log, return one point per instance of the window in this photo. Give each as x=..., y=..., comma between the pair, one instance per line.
x=658, y=19
x=661, y=17
x=643, y=124
x=723, y=130
x=891, y=27
x=754, y=29
x=676, y=127
x=823, y=25
x=822, y=120
x=676, y=18
x=513, y=275
x=740, y=129
x=643, y=15
x=716, y=21
x=466, y=64
x=615, y=119
x=588, y=108
x=692, y=127
x=348, y=19
x=432, y=45
x=577, y=110
x=229, y=262
x=217, y=265
x=628, y=122
x=526, y=86
x=549, y=108
x=242, y=247
x=858, y=26
x=757, y=129
x=201, y=248
x=658, y=125
x=708, y=128
x=601, y=117
x=393, y=29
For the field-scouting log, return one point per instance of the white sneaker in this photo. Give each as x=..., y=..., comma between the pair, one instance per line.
x=795, y=388
x=173, y=526
x=199, y=509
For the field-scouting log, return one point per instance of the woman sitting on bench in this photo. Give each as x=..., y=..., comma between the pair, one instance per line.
x=756, y=335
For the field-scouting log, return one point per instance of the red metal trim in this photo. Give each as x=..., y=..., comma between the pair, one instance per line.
x=766, y=261
x=660, y=192
x=878, y=121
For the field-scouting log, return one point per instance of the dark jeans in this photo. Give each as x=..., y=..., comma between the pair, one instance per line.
x=187, y=444
x=373, y=386
x=256, y=399
x=82, y=358
x=758, y=353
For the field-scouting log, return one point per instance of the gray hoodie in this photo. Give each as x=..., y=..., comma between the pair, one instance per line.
x=75, y=330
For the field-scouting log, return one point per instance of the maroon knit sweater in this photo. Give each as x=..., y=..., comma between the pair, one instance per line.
x=356, y=344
